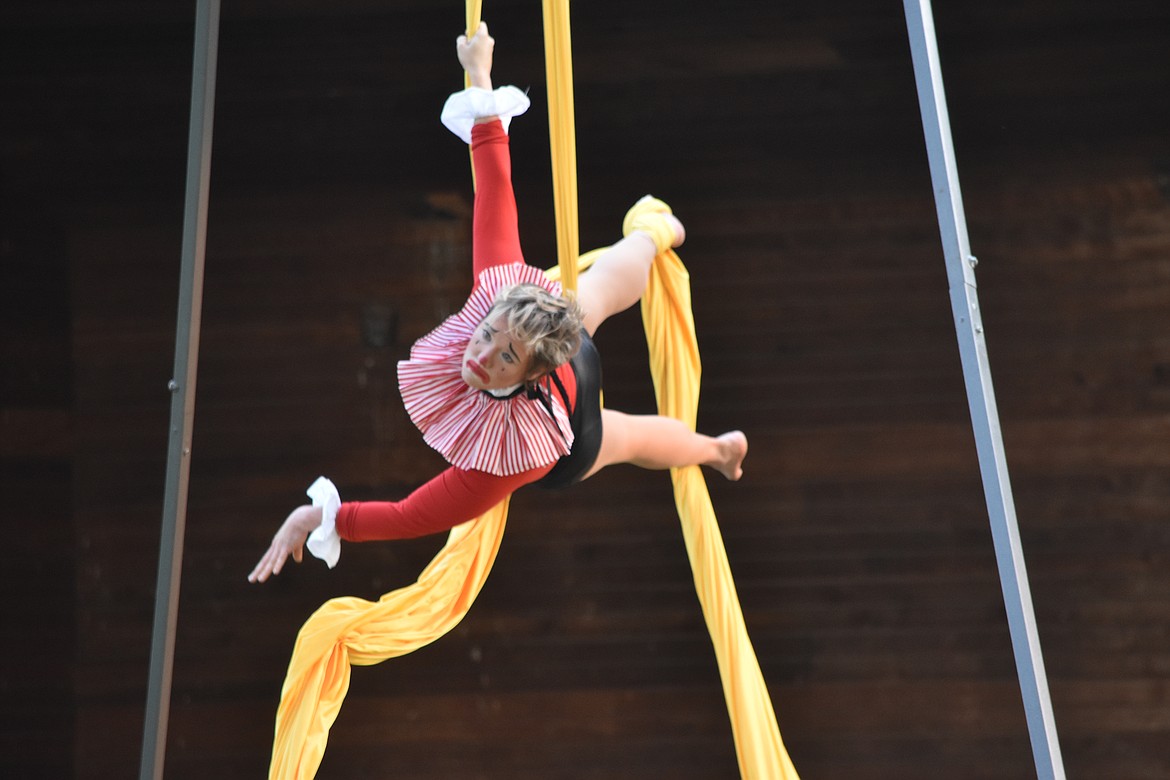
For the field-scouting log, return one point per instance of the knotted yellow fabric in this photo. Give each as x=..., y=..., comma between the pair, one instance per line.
x=347, y=631
x=649, y=216
x=676, y=370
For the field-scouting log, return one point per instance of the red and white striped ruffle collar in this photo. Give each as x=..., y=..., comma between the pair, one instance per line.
x=471, y=428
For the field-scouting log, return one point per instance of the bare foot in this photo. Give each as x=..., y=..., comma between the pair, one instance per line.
x=733, y=447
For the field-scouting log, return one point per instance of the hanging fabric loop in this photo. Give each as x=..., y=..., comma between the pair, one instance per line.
x=558, y=65
x=347, y=631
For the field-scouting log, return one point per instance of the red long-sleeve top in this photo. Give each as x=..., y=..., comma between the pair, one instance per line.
x=457, y=495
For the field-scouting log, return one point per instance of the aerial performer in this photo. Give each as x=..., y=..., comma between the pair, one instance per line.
x=508, y=390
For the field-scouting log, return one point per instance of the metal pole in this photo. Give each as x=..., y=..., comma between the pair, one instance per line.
x=980, y=394
x=182, y=388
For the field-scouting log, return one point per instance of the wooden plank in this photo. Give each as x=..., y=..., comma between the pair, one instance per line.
x=792, y=150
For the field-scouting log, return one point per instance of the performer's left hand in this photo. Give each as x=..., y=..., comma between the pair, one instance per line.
x=475, y=55
x=289, y=540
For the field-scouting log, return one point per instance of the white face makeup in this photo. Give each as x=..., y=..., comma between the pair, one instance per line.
x=494, y=359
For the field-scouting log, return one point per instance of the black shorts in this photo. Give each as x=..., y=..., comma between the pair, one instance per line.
x=585, y=420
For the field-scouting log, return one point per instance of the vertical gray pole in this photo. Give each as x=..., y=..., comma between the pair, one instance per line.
x=980, y=394
x=182, y=387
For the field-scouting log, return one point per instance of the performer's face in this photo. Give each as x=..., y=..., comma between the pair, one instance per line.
x=494, y=360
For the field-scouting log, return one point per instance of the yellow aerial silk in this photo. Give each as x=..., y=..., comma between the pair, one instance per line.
x=349, y=630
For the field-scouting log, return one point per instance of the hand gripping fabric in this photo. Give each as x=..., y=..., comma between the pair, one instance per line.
x=348, y=631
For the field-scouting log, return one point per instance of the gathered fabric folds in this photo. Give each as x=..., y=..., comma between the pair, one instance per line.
x=348, y=631
x=676, y=369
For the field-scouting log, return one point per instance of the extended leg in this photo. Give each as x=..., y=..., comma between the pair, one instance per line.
x=617, y=278
x=655, y=442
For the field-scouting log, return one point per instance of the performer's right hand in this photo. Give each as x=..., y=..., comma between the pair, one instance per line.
x=289, y=540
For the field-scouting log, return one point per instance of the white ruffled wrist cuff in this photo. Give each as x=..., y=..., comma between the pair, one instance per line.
x=463, y=108
x=324, y=542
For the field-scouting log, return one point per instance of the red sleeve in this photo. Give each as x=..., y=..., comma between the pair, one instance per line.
x=453, y=497
x=495, y=230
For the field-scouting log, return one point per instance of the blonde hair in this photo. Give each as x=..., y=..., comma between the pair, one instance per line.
x=549, y=325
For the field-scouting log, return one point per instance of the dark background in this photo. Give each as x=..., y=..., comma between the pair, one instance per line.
x=787, y=136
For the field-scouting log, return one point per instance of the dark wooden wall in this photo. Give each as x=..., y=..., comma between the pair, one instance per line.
x=787, y=136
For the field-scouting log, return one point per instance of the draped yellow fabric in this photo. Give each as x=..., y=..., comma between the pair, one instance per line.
x=474, y=13
x=349, y=630
x=675, y=366
x=562, y=136
x=676, y=370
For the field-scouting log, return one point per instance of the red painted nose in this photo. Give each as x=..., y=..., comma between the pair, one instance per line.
x=485, y=357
